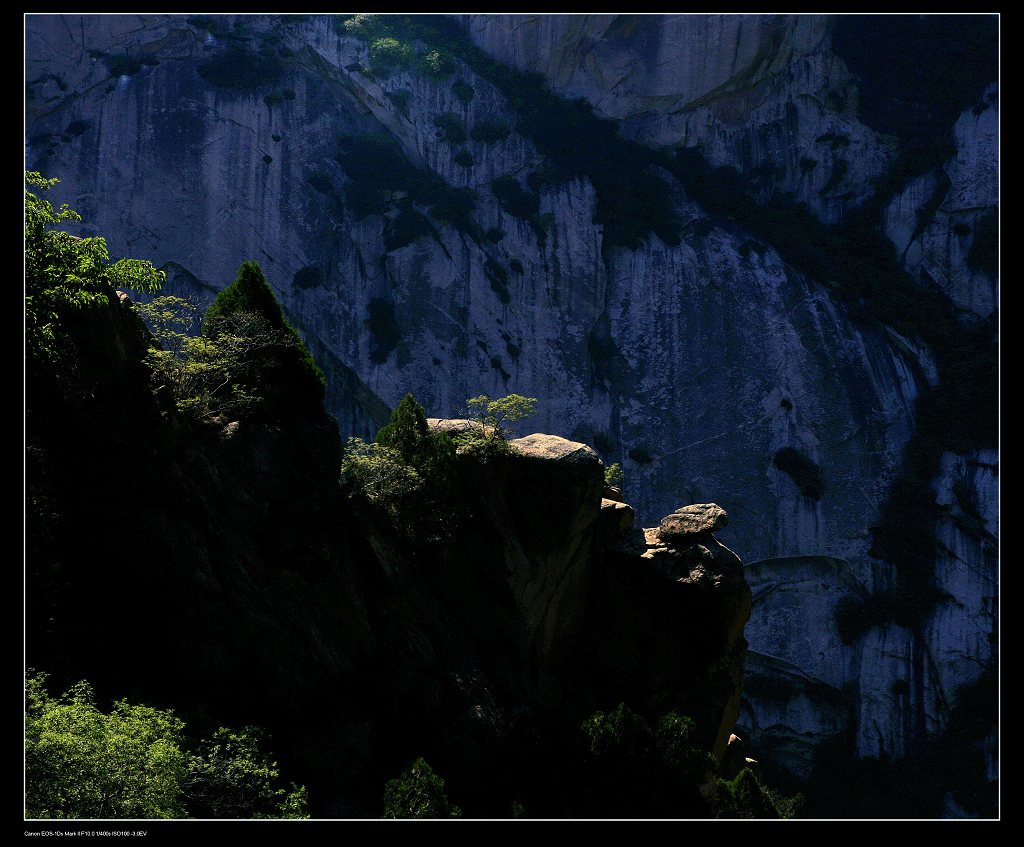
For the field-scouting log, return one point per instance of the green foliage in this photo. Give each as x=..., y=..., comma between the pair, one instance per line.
x=406, y=431
x=746, y=797
x=633, y=199
x=803, y=470
x=379, y=169
x=451, y=128
x=418, y=793
x=613, y=475
x=133, y=762
x=248, y=361
x=675, y=737
x=389, y=54
x=232, y=776
x=82, y=763
x=515, y=199
x=463, y=159
x=251, y=294
x=407, y=227
x=495, y=415
x=172, y=320
x=379, y=475
x=621, y=732
x=634, y=770
x=408, y=472
x=463, y=90
x=438, y=64
x=65, y=273
x=491, y=130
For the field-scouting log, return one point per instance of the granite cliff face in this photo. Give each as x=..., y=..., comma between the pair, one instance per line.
x=693, y=364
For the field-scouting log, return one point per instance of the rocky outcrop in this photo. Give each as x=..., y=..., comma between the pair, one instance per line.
x=247, y=585
x=702, y=581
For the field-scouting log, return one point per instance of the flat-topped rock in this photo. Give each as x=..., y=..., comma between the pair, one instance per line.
x=687, y=522
x=554, y=448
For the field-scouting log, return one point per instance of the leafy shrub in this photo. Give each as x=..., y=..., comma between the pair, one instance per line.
x=455, y=206
x=451, y=128
x=463, y=90
x=632, y=768
x=135, y=762
x=495, y=415
x=418, y=793
x=172, y=320
x=491, y=130
x=438, y=64
x=515, y=266
x=249, y=343
x=65, y=274
x=803, y=470
x=463, y=159
x=409, y=226
x=494, y=234
x=408, y=472
x=378, y=168
x=380, y=475
x=745, y=797
x=389, y=54
x=515, y=199
x=613, y=475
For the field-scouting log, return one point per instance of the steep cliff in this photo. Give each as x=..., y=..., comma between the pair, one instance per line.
x=713, y=365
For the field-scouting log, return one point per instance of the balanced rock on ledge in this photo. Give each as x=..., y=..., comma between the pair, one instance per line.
x=686, y=523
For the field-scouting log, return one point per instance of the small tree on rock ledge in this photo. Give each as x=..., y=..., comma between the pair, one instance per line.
x=495, y=415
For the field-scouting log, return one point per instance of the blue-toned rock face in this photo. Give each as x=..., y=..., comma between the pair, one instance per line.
x=692, y=361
